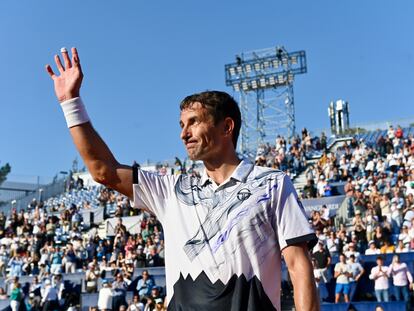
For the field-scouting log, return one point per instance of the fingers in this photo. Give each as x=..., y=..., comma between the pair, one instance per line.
x=75, y=57
x=66, y=58
x=59, y=64
x=50, y=71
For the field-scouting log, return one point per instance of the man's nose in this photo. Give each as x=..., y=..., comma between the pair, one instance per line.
x=185, y=133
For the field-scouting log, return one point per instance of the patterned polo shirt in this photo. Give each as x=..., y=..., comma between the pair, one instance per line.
x=223, y=242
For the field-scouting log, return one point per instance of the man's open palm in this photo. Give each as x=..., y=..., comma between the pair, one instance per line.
x=68, y=83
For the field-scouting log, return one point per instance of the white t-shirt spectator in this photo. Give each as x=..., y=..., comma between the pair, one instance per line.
x=342, y=268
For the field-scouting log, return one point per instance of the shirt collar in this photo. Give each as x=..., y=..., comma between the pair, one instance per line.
x=240, y=174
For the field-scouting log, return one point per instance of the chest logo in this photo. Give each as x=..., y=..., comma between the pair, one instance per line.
x=243, y=194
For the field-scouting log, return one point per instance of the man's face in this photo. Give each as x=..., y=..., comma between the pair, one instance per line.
x=200, y=136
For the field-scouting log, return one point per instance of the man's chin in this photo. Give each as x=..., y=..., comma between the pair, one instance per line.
x=193, y=156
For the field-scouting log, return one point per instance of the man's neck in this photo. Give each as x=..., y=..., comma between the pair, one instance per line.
x=220, y=170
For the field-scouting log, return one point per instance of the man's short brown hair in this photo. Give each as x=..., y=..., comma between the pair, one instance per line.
x=219, y=105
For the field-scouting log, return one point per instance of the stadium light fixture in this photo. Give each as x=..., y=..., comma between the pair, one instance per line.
x=265, y=72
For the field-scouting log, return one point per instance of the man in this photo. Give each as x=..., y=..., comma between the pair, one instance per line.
x=380, y=276
x=342, y=274
x=356, y=272
x=402, y=279
x=227, y=229
x=105, y=296
x=323, y=260
x=119, y=291
x=145, y=284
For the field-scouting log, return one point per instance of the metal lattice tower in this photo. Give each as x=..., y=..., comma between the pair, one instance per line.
x=264, y=80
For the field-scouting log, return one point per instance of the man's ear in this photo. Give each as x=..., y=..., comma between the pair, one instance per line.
x=228, y=126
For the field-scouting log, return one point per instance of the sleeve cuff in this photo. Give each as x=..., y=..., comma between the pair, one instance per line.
x=310, y=238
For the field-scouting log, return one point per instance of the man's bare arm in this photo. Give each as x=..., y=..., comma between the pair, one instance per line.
x=96, y=155
x=301, y=273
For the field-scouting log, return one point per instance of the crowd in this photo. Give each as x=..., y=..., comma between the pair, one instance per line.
x=50, y=241
x=379, y=186
x=290, y=155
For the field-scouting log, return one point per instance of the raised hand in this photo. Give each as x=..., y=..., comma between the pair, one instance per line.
x=68, y=83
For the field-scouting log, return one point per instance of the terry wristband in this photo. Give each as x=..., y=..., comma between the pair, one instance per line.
x=75, y=112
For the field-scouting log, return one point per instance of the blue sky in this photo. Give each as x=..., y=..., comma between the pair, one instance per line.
x=140, y=58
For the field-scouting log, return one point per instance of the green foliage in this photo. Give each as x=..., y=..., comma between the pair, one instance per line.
x=4, y=171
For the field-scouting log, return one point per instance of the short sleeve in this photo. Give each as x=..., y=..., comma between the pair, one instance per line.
x=152, y=192
x=291, y=220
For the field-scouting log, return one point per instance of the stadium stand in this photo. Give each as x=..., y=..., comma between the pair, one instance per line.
x=92, y=247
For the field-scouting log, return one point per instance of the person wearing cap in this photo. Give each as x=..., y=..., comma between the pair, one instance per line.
x=372, y=249
x=105, y=296
x=91, y=278
x=119, y=287
x=352, y=251
x=50, y=300
x=323, y=260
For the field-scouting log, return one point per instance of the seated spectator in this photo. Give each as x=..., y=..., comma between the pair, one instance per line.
x=372, y=249
x=145, y=284
x=136, y=304
x=309, y=190
x=387, y=248
x=352, y=251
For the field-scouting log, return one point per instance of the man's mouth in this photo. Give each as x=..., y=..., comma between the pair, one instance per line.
x=190, y=144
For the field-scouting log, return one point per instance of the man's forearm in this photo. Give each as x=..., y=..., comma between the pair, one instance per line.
x=99, y=160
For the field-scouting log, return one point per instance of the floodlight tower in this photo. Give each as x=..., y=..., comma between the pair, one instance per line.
x=264, y=79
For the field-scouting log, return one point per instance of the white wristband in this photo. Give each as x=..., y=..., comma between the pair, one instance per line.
x=75, y=112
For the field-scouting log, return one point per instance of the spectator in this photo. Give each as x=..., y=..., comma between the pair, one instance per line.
x=342, y=274
x=105, y=296
x=153, y=259
x=70, y=259
x=145, y=284
x=136, y=304
x=379, y=274
x=119, y=288
x=91, y=278
x=387, y=248
x=372, y=249
x=356, y=272
x=402, y=278
x=16, y=297
x=49, y=297
x=320, y=281
x=323, y=259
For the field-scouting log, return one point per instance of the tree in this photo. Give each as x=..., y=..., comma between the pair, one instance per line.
x=4, y=171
